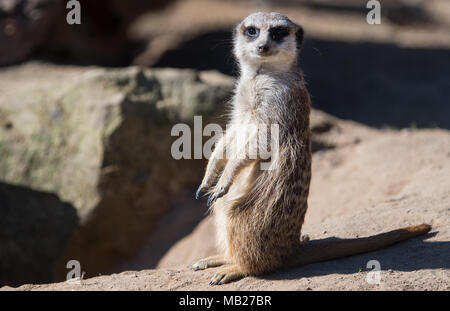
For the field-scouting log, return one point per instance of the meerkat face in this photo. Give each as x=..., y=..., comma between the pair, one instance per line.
x=267, y=38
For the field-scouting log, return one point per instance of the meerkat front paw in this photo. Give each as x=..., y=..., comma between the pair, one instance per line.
x=227, y=275
x=217, y=194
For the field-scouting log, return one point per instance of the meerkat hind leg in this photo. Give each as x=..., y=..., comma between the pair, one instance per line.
x=209, y=262
x=228, y=274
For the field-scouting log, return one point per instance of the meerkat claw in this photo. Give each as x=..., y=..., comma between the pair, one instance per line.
x=200, y=192
x=222, y=192
x=211, y=200
x=216, y=280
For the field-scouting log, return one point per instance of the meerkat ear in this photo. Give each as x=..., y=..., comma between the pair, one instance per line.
x=299, y=37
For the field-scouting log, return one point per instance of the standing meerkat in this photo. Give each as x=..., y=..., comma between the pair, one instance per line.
x=259, y=212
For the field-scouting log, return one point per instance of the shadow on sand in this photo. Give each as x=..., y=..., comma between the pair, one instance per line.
x=34, y=229
x=410, y=255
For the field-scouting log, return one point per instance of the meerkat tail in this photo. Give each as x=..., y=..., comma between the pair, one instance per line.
x=317, y=251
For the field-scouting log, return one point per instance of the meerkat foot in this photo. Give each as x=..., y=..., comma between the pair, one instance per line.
x=209, y=262
x=228, y=274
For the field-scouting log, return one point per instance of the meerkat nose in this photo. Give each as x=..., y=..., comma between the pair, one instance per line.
x=263, y=48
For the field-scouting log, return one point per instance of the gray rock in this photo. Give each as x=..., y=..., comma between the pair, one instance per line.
x=100, y=140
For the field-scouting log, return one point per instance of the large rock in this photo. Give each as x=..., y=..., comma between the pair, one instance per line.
x=100, y=140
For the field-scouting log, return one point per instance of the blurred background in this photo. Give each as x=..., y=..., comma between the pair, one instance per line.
x=84, y=159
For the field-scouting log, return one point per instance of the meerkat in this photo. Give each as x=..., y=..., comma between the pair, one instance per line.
x=259, y=213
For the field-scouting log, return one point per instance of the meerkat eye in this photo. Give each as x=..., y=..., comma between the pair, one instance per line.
x=278, y=33
x=251, y=31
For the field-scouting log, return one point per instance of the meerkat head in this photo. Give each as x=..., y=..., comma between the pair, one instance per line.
x=267, y=39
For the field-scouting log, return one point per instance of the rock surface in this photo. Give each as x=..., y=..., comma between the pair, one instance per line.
x=100, y=140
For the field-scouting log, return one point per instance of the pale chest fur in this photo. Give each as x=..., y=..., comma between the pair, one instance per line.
x=252, y=95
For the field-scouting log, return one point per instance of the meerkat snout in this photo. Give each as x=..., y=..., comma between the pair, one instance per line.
x=263, y=48
x=267, y=39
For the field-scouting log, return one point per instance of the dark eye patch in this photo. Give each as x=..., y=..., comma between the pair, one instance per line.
x=277, y=34
x=251, y=32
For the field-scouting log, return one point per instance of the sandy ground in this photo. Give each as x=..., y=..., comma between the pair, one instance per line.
x=372, y=181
